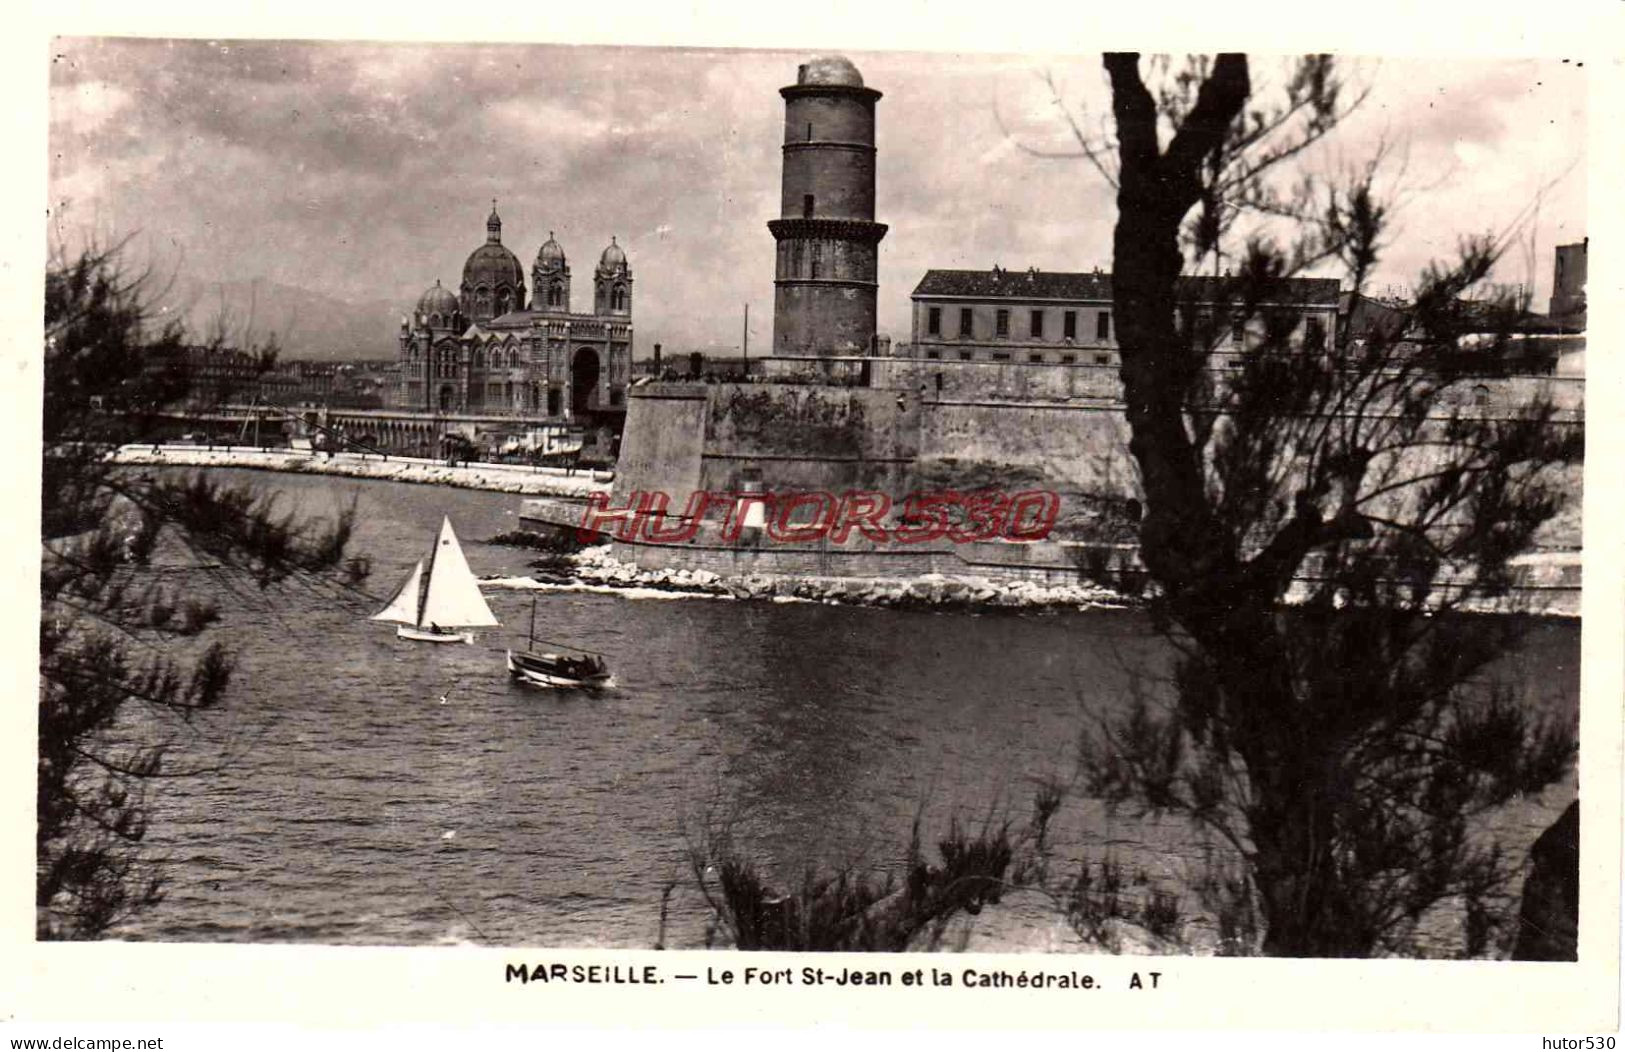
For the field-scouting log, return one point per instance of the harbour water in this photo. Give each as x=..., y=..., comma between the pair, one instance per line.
x=366, y=790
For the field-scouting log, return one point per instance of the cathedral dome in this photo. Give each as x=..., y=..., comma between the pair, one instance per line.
x=437, y=300
x=614, y=257
x=829, y=69
x=551, y=254
x=492, y=265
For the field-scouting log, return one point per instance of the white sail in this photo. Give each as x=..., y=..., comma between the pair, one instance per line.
x=453, y=598
x=403, y=609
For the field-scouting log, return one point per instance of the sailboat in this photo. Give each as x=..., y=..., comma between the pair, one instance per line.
x=441, y=599
x=566, y=667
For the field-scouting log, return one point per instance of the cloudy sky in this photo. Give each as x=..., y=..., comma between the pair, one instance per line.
x=366, y=171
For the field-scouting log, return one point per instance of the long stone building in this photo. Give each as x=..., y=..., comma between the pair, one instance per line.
x=1056, y=318
x=488, y=349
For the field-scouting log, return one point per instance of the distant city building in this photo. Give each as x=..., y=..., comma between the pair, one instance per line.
x=828, y=241
x=484, y=349
x=1056, y=318
x=1568, y=303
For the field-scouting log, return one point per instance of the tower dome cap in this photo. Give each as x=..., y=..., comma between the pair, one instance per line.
x=614, y=257
x=829, y=69
x=551, y=252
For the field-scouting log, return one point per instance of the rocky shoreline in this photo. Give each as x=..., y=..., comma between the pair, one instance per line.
x=596, y=570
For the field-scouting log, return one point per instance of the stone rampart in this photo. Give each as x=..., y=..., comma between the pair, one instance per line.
x=898, y=440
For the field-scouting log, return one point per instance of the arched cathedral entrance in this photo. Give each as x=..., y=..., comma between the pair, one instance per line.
x=584, y=372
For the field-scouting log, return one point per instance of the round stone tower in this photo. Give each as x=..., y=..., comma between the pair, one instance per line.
x=828, y=240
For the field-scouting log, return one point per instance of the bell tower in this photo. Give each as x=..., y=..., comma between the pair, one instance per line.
x=828, y=241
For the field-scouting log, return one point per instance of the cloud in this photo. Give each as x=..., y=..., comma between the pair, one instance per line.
x=366, y=169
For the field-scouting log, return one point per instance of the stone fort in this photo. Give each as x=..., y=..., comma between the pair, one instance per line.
x=1009, y=380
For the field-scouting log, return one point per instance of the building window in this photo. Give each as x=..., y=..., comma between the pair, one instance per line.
x=1103, y=359
x=1069, y=359
x=1001, y=356
x=1069, y=325
x=1036, y=325
x=1314, y=333
x=964, y=321
x=1238, y=328
x=817, y=260
x=806, y=206
x=1036, y=359
x=933, y=355
x=1001, y=325
x=933, y=321
x=1103, y=325
x=966, y=356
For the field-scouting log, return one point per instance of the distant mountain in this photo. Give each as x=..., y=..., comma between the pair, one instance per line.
x=305, y=324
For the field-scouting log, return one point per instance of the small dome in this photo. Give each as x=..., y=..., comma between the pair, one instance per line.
x=551, y=253
x=614, y=257
x=829, y=69
x=437, y=300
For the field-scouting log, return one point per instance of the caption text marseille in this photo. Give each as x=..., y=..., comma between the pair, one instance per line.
x=649, y=975
x=802, y=518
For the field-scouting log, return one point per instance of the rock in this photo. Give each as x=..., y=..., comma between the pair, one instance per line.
x=1549, y=920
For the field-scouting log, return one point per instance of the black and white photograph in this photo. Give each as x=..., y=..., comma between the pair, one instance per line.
x=1029, y=511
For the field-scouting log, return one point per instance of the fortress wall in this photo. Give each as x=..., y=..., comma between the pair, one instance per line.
x=1016, y=380
x=804, y=437
x=662, y=441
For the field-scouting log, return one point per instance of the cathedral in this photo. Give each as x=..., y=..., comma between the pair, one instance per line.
x=485, y=349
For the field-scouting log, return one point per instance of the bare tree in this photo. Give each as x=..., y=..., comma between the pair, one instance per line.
x=1344, y=744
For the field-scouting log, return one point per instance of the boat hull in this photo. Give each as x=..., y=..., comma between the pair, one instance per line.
x=545, y=672
x=428, y=635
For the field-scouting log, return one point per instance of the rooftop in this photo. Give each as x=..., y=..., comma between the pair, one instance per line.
x=1097, y=286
